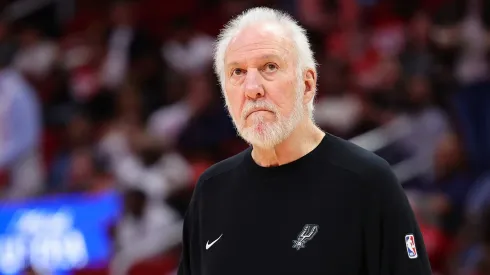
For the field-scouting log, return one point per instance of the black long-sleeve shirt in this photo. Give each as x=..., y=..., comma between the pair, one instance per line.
x=337, y=210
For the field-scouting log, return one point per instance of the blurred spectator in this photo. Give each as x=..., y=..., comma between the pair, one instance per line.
x=81, y=59
x=469, y=33
x=472, y=103
x=428, y=126
x=187, y=51
x=416, y=57
x=77, y=135
x=88, y=172
x=143, y=232
x=472, y=64
x=81, y=171
x=154, y=169
x=478, y=198
x=37, y=55
x=127, y=122
x=209, y=132
x=383, y=97
x=321, y=17
x=20, y=127
x=126, y=44
x=168, y=122
x=338, y=109
x=469, y=251
x=472, y=254
x=152, y=83
x=452, y=182
x=472, y=71
x=212, y=14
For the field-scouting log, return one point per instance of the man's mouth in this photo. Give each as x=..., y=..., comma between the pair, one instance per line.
x=257, y=110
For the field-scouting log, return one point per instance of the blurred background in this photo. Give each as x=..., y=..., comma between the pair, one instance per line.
x=109, y=112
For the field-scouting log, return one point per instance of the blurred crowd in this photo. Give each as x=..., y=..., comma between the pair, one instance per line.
x=121, y=95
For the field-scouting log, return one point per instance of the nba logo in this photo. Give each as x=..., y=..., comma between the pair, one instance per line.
x=411, y=249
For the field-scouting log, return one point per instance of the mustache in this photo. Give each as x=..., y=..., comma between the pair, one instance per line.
x=251, y=106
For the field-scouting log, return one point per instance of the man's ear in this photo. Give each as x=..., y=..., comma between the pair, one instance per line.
x=309, y=78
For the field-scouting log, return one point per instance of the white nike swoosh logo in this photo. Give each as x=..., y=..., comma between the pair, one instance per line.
x=208, y=245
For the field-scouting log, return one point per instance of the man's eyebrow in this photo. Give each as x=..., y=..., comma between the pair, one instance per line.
x=262, y=57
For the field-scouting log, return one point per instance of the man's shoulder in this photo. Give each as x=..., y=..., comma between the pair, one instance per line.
x=359, y=161
x=223, y=166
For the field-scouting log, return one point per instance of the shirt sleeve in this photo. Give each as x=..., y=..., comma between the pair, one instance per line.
x=393, y=243
x=190, y=256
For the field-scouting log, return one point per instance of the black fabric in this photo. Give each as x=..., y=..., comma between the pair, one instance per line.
x=245, y=219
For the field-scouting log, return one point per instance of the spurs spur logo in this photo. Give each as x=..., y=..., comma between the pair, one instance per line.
x=308, y=232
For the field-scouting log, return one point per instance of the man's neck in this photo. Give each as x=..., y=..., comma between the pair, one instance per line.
x=302, y=140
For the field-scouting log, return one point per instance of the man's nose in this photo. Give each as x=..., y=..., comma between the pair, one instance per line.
x=253, y=85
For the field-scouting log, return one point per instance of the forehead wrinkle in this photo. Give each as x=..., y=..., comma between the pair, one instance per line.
x=270, y=39
x=250, y=50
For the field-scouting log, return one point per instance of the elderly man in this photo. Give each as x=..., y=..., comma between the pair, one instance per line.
x=298, y=201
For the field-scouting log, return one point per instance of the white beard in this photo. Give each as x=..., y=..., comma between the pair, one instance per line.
x=266, y=134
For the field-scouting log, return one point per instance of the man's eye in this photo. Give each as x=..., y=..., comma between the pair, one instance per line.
x=270, y=67
x=237, y=72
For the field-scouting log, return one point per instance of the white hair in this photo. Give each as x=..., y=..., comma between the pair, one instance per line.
x=304, y=54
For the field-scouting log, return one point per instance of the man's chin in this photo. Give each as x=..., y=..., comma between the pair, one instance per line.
x=263, y=138
x=260, y=130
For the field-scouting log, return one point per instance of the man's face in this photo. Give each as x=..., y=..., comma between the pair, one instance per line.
x=262, y=92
